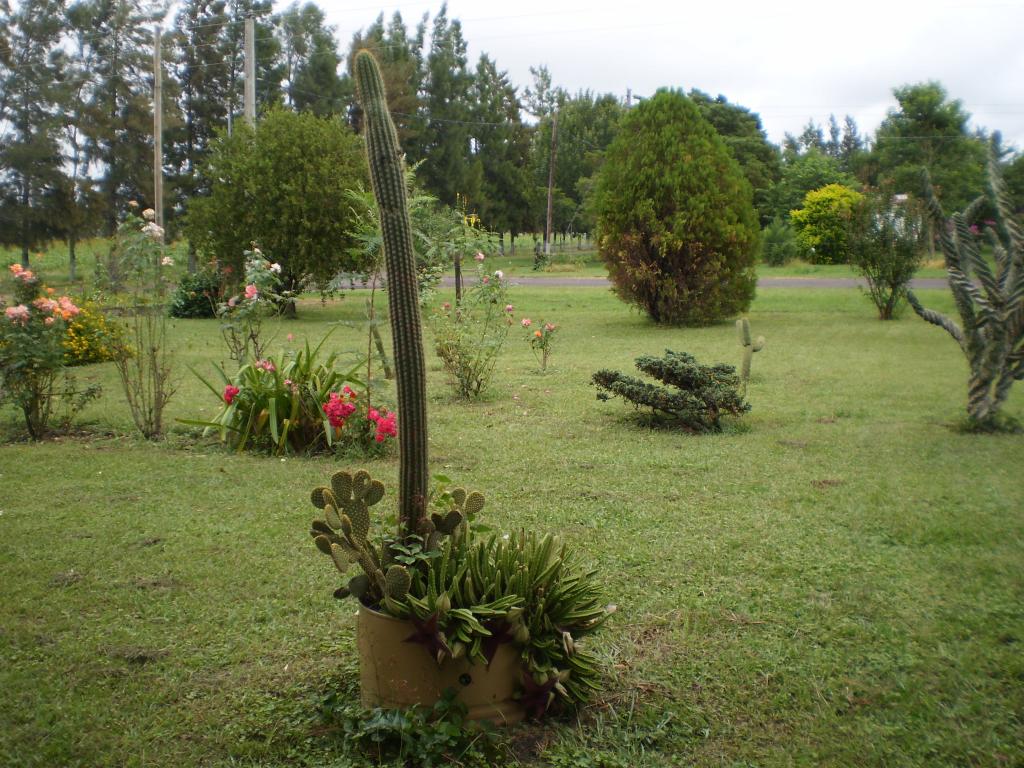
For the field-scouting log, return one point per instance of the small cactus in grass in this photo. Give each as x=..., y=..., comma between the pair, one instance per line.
x=749, y=348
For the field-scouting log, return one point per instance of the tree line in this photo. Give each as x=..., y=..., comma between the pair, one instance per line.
x=76, y=83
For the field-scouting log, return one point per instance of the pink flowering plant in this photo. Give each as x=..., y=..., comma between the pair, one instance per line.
x=469, y=335
x=539, y=336
x=32, y=373
x=242, y=314
x=299, y=403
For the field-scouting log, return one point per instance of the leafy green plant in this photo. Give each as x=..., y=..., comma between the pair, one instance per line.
x=778, y=243
x=421, y=736
x=679, y=238
x=469, y=335
x=822, y=224
x=299, y=404
x=991, y=333
x=197, y=295
x=886, y=241
x=695, y=398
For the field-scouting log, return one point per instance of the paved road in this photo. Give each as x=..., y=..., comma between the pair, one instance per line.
x=764, y=282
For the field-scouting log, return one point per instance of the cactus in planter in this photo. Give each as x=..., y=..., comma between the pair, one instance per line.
x=991, y=309
x=749, y=348
x=387, y=176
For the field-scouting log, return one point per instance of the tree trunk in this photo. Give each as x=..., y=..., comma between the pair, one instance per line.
x=72, y=259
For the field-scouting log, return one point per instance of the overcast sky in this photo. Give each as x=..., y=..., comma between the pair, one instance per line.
x=787, y=61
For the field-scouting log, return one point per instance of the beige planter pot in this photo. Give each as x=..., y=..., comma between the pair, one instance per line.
x=395, y=674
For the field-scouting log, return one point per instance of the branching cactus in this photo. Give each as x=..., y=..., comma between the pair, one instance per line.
x=749, y=348
x=387, y=175
x=990, y=304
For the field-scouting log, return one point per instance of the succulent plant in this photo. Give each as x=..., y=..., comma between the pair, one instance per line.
x=990, y=303
x=749, y=348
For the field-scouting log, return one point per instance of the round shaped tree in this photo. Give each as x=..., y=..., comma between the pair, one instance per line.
x=282, y=186
x=678, y=228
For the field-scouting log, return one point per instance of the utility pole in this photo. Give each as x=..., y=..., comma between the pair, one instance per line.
x=629, y=98
x=250, y=70
x=551, y=181
x=158, y=131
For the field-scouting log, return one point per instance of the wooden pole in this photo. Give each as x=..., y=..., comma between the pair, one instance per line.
x=250, y=70
x=551, y=181
x=158, y=130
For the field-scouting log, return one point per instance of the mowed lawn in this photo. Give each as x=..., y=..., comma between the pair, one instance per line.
x=837, y=579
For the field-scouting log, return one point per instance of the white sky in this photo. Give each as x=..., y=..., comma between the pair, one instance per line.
x=787, y=61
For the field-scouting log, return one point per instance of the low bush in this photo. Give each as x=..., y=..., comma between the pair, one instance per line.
x=90, y=338
x=469, y=335
x=695, y=398
x=778, y=244
x=300, y=404
x=197, y=295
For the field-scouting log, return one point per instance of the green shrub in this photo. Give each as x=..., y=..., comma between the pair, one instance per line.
x=695, y=398
x=469, y=336
x=821, y=225
x=886, y=240
x=197, y=295
x=300, y=404
x=283, y=186
x=778, y=243
x=679, y=231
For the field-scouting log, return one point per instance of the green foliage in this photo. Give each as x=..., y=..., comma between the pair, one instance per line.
x=778, y=243
x=742, y=132
x=283, y=186
x=695, y=398
x=198, y=294
x=469, y=336
x=419, y=736
x=679, y=238
x=750, y=346
x=991, y=309
x=822, y=224
x=929, y=131
x=242, y=315
x=886, y=242
x=803, y=173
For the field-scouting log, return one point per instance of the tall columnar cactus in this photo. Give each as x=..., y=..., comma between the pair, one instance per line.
x=749, y=348
x=991, y=309
x=387, y=174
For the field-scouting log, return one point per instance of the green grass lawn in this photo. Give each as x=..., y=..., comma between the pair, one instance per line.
x=835, y=580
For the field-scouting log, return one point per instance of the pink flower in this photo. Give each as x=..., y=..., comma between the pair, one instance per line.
x=337, y=410
x=349, y=391
x=46, y=306
x=479, y=256
x=266, y=365
x=526, y=322
x=251, y=291
x=373, y=414
x=18, y=314
x=509, y=308
x=549, y=327
x=446, y=306
x=232, y=301
x=486, y=280
x=49, y=321
x=230, y=393
x=67, y=308
x=291, y=337
x=16, y=269
x=386, y=427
